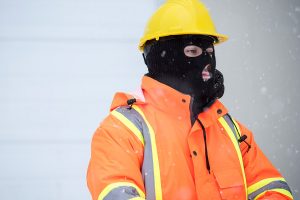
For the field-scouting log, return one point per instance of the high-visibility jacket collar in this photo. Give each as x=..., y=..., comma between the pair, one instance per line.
x=165, y=98
x=170, y=101
x=121, y=99
x=176, y=103
x=212, y=113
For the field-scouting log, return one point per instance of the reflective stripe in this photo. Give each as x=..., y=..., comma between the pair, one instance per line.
x=135, y=120
x=129, y=118
x=137, y=198
x=238, y=127
x=271, y=184
x=230, y=129
x=233, y=126
x=281, y=191
x=151, y=162
x=121, y=190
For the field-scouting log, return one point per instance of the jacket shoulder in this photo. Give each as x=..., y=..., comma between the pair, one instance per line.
x=123, y=99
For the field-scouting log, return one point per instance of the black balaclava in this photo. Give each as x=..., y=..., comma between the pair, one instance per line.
x=169, y=61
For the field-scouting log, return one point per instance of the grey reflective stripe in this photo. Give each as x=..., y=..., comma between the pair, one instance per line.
x=270, y=186
x=122, y=193
x=147, y=168
x=133, y=116
x=232, y=127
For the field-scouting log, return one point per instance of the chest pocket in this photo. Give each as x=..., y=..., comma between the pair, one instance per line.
x=230, y=184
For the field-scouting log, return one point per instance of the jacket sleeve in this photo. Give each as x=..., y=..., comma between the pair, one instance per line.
x=263, y=179
x=116, y=157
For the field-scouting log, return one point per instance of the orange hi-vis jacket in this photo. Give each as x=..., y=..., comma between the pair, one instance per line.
x=150, y=150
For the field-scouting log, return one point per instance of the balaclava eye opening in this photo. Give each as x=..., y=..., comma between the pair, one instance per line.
x=186, y=63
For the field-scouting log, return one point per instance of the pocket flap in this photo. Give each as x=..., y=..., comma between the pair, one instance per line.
x=229, y=178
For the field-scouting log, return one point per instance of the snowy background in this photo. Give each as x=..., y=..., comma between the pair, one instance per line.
x=61, y=61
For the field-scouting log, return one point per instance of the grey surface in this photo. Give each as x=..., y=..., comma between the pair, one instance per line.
x=61, y=61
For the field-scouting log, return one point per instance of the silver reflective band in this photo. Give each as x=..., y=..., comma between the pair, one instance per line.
x=147, y=168
x=123, y=192
x=133, y=116
x=270, y=186
x=231, y=125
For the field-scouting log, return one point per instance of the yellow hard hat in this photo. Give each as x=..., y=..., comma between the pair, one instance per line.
x=180, y=17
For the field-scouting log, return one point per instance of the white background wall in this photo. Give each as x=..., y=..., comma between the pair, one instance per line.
x=61, y=61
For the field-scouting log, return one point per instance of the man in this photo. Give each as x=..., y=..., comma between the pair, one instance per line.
x=175, y=139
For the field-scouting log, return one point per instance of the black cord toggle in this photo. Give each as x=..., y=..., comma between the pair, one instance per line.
x=243, y=139
x=130, y=102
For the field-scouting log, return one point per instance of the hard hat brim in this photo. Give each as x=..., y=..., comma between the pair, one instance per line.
x=220, y=38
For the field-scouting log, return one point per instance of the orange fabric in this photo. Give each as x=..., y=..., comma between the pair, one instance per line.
x=117, y=154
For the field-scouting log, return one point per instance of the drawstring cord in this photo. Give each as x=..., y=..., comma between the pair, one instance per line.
x=205, y=144
x=242, y=138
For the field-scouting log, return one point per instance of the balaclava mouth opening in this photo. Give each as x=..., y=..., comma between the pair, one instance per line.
x=186, y=63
